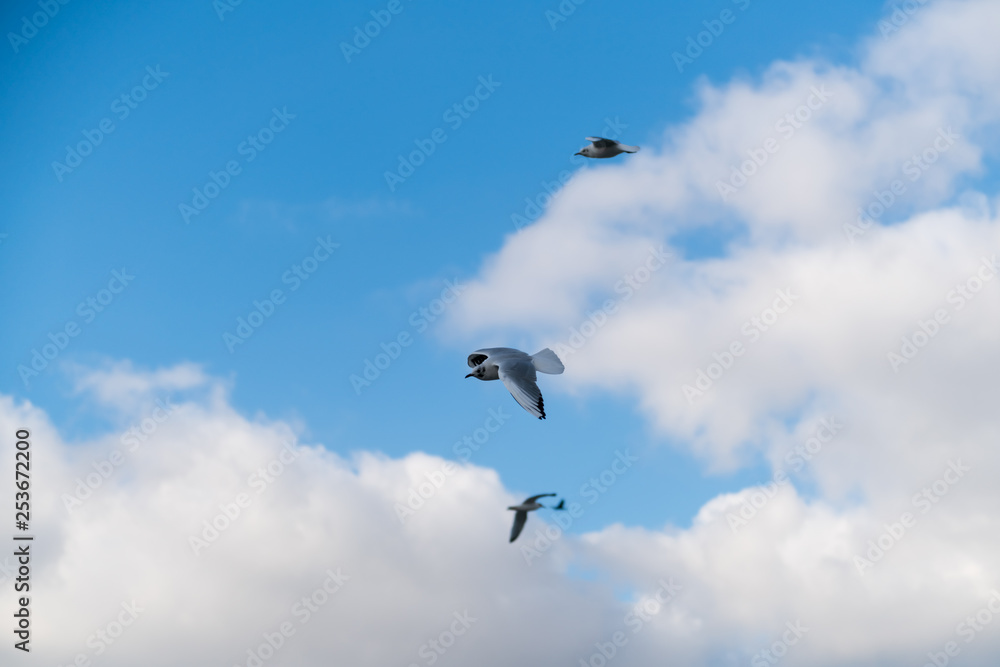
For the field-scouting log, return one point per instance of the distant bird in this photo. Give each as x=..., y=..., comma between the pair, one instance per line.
x=521, y=513
x=605, y=148
x=517, y=370
x=561, y=505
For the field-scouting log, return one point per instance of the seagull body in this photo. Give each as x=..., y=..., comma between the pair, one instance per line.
x=517, y=370
x=521, y=513
x=600, y=148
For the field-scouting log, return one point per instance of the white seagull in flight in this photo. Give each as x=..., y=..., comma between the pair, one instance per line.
x=601, y=147
x=517, y=370
x=521, y=513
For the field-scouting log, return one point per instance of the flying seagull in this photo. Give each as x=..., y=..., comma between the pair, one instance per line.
x=605, y=148
x=517, y=370
x=521, y=513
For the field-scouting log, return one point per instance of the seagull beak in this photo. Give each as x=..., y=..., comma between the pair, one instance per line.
x=469, y=375
x=577, y=153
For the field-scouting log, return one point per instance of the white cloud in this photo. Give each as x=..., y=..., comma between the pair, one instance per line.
x=306, y=511
x=121, y=385
x=311, y=518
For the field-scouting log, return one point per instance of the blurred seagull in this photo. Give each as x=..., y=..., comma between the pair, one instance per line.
x=521, y=513
x=517, y=370
x=605, y=148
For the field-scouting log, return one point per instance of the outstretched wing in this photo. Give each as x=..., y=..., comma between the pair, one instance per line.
x=520, y=517
x=601, y=142
x=540, y=495
x=519, y=377
x=497, y=353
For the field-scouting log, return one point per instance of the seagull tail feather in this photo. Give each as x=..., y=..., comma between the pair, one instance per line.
x=546, y=361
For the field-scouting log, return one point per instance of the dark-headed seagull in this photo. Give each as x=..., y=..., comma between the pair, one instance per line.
x=517, y=370
x=521, y=513
x=601, y=148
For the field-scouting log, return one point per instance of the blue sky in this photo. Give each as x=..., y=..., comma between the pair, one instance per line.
x=323, y=176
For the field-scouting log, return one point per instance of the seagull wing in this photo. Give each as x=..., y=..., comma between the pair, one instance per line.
x=495, y=353
x=520, y=517
x=534, y=498
x=601, y=142
x=519, y=377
